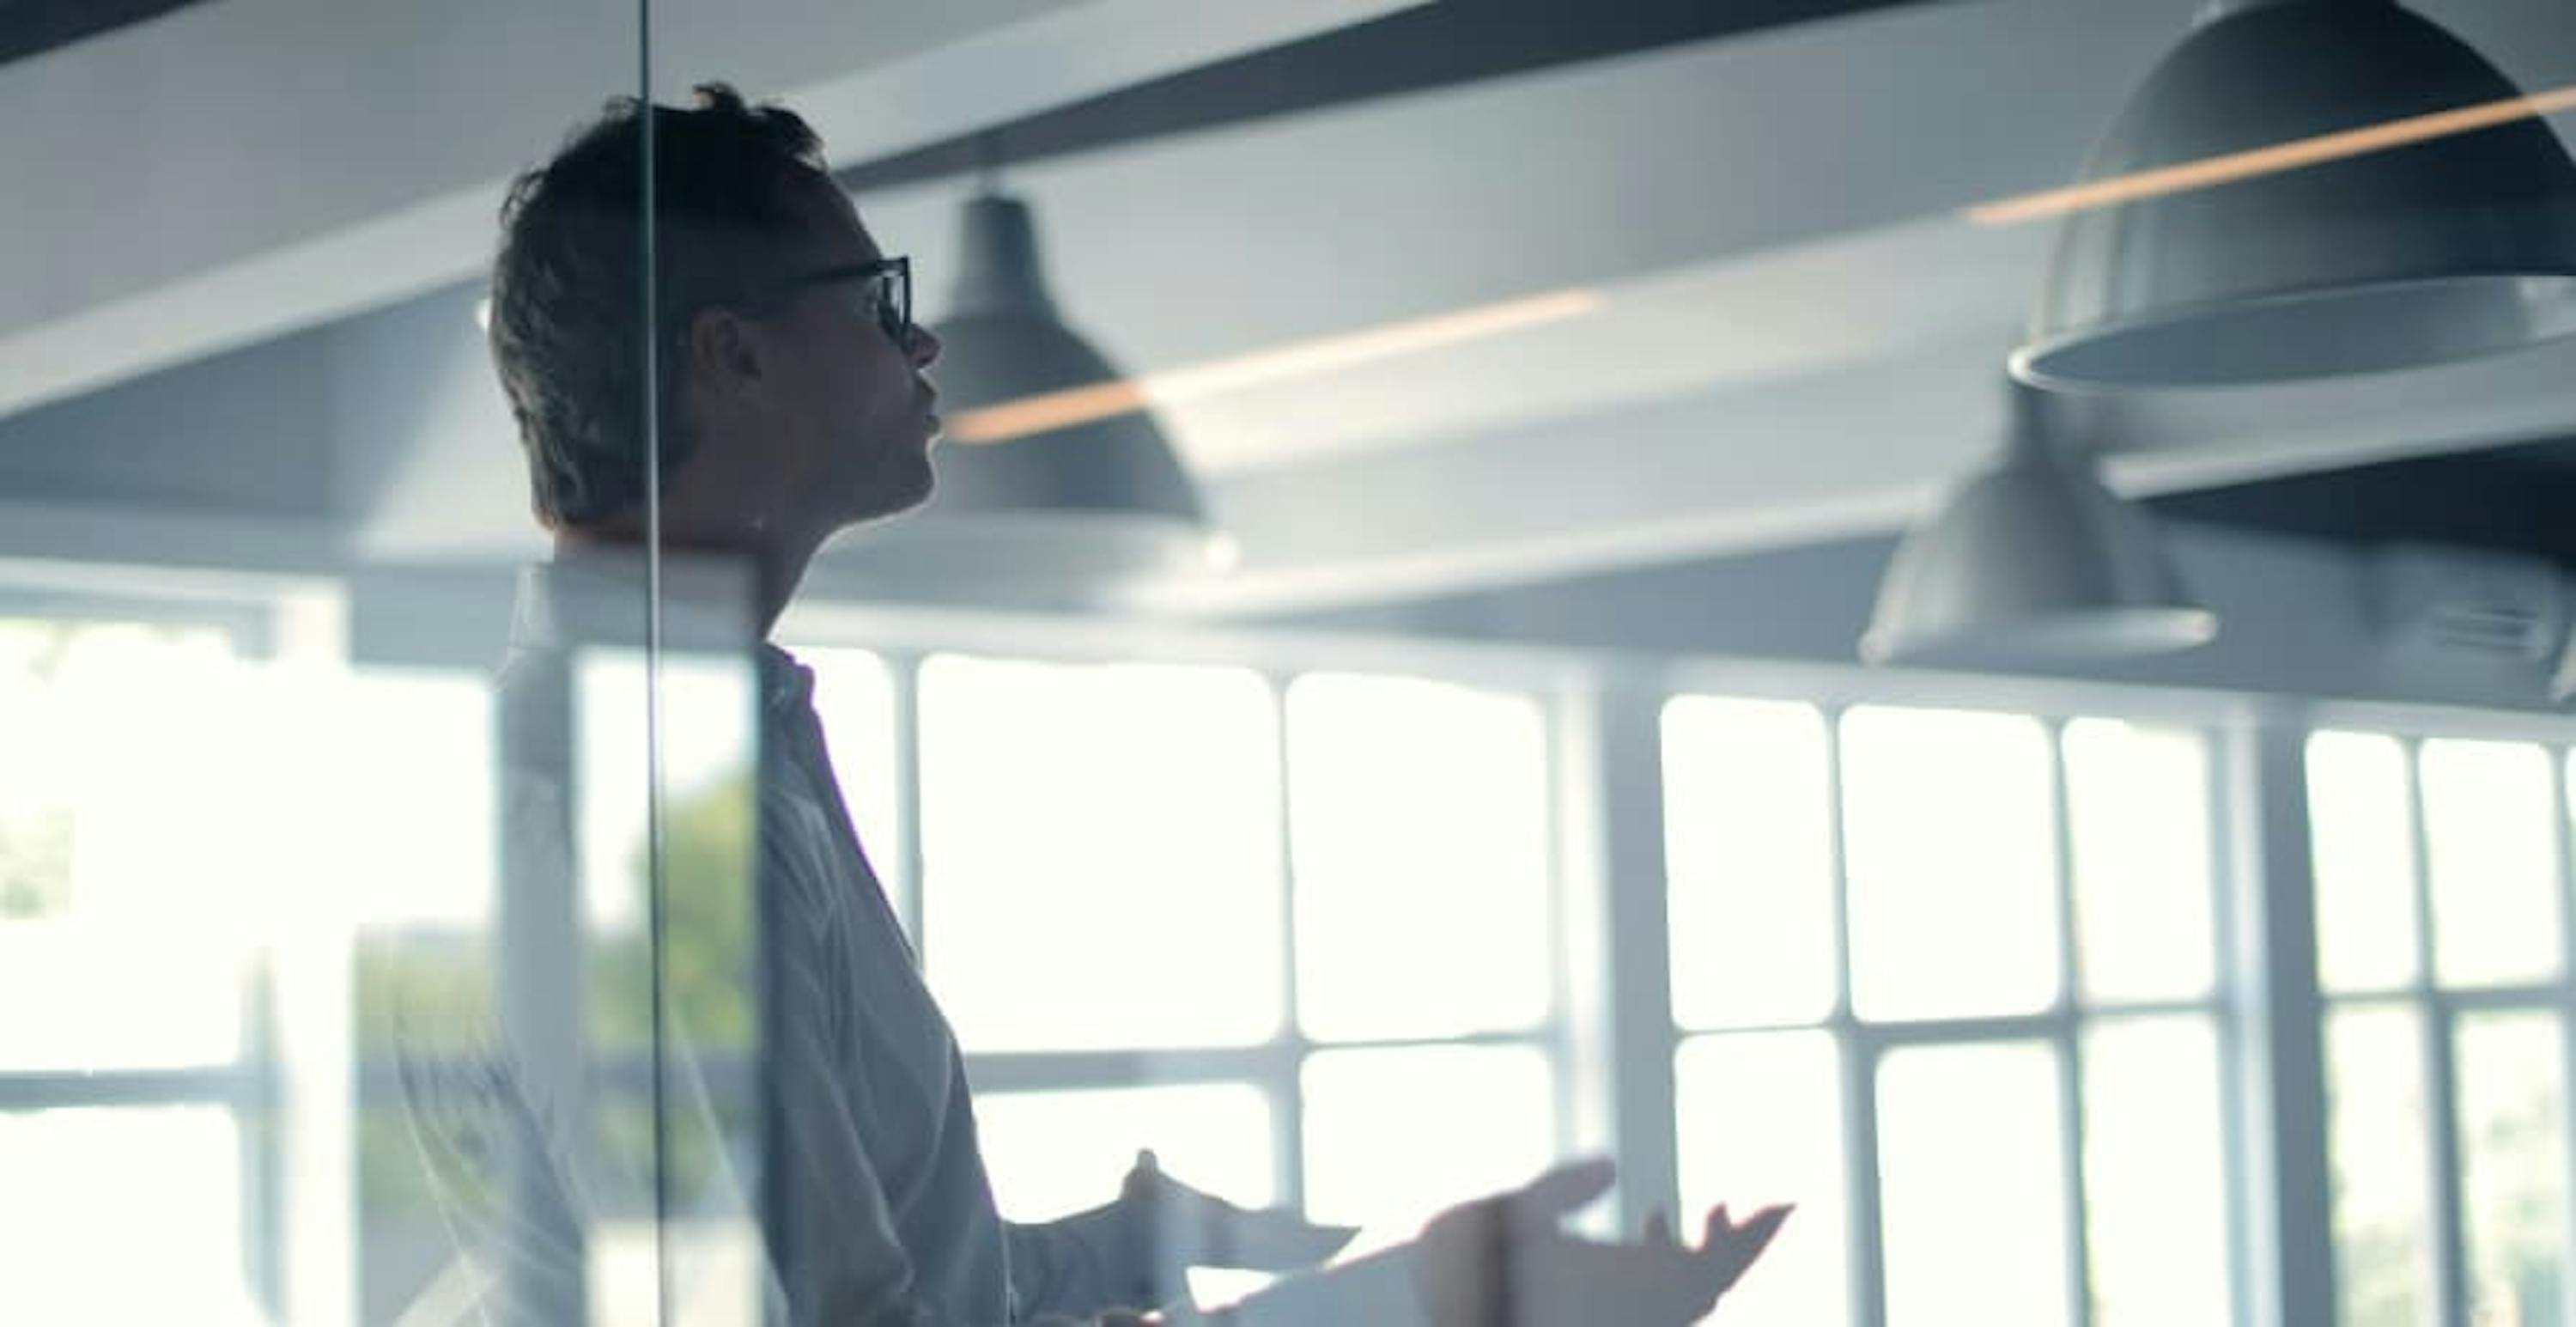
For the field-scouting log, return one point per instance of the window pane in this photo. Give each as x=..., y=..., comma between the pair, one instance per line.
x=135, y=845
x=422, y=968
x=1393, y=1135
x=2155, y=1173
x=2138, y=821
x=123, y=1216
x=1761, y=1122
x=1419, y=815
x=1051, y=1154
x=1101, y=853
x=1971, y=1175
x=2490, y=849
x=2513, y=1158
x=854, y=697
x=2375, y=1130
x=1952, y=875
x=2364, y=856
x=1748, y=845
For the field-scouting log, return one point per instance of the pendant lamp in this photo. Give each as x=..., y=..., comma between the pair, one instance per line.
x=2032, y=561
x=2366, y=258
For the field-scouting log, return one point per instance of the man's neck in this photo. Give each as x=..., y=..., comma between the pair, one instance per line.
x=778, y=559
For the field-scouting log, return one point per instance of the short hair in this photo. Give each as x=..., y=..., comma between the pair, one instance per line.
x=567, y=302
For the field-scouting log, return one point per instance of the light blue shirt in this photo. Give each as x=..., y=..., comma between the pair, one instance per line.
x=881, y=1212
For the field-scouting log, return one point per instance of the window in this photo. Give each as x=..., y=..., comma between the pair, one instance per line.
x=1982, y=947
x=1099, y=854
x=2441, y=934
x=132, y=873
x=1224, y=915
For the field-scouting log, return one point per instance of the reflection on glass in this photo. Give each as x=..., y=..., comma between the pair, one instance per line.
x=124, y=1215
x=1947, y=827
x=1748, y=849
x=1971, y=1173
x=2363, y=850
x=1096, y=839
x=1760, y=1119
x=1052, y=1154
x=2138, y=821
x=131, y=861
x=705, y=712
x=422, y=972
x=2513, y=1159
x=1419, y=819
x=2492, y=857
x=2155, y=1173
x=854, y=697
x=1393, y=1135
x=2383, y=1224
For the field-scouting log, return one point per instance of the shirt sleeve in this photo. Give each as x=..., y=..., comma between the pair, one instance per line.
x=1082, y=1264
x=839, y=1259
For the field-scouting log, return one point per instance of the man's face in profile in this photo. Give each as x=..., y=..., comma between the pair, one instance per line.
x=849, y=415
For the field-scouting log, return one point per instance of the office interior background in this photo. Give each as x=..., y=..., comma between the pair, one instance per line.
x=1950, y=611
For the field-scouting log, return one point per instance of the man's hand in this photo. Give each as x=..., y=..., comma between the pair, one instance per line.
x=1180, y=1227
x=1503, y=1261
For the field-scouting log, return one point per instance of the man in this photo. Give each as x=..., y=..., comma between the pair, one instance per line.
x=793, y=402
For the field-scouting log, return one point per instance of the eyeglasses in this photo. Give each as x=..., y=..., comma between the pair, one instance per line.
x=888, y=284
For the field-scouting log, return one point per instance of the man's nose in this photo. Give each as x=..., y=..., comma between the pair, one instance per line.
x=924, y=350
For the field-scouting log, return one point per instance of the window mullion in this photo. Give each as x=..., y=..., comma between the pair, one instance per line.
x=1288, y=1097
x=2070, y=1063
x=2441, y=1078
x=903, y=677
x=1864, y=1239
x=2287, y=1187
x=1622, y=764
x=2559, y=846
x=2229, y=889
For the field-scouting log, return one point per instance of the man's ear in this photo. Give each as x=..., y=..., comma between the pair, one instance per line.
x=724, y=351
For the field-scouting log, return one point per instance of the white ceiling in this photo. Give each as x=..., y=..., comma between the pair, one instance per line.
x=1800, y=336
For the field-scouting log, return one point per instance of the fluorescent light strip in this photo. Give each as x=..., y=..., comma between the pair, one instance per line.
x=2278, y=157
x=1102, y=400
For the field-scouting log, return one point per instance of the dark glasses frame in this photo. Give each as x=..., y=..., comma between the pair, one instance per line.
x=894, y=297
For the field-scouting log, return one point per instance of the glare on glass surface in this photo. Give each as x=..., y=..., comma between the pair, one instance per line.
x=2491, y=856
x=2138, y=822
x=123, y=1215
x=1760, y=1121
x=2155, y=1173
x=2361, y=827
x=1971, y=1186
x=2512, y=1120
x=1100, y=853
x=854, y=697
x=1393, y=1135
x=2383, y=1223
x=706, y=714
x=423, y=743
x=1971, y=1173
x=1947, y=827
x=1748, y=849
x=135, y=850
x=1418, y=815
x=1054, y=1153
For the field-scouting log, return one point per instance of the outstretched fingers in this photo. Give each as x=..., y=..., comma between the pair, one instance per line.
x=1731, y=1248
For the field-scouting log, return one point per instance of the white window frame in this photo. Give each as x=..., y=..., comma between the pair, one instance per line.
x=2439, y=1009
x=904, y=640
